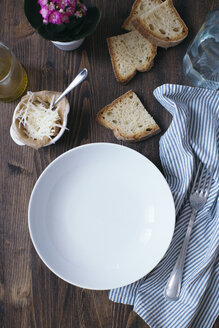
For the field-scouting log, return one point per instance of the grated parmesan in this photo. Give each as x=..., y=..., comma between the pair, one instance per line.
x=38, y=118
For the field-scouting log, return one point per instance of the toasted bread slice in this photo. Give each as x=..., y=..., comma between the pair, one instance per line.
x=162, y=25
x=139, y=7
x=128, y=118
x=129, y=53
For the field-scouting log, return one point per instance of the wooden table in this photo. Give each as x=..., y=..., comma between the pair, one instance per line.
x=30, y=295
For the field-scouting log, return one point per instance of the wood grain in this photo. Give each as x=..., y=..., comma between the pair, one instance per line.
x=30, y=295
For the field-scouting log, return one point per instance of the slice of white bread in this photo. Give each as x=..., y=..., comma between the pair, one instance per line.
x=162, y=25
x=128, y=118
x=139, y=8
x=129, y=53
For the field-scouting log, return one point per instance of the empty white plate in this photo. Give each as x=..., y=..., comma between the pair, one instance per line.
x=101, y=216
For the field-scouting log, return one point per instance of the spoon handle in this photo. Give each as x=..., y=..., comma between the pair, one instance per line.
x=77, y=80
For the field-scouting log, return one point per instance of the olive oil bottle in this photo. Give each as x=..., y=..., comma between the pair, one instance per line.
x=13, y=78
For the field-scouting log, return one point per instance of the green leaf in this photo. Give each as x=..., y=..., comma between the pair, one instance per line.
x=32, y=12
x=74, y=22
x=91, y=22
x=86, y=28
x=82, y=30
x=50, y=31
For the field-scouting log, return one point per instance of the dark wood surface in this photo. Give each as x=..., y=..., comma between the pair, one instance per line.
x=30, y=295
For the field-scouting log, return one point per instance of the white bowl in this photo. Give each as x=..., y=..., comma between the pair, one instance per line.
x=68, y=46
x=101, y=216
x=56, y=138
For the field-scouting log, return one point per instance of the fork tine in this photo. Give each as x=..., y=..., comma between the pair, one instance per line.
x=200, y=179
x=196, y=177
x=209, y=184
x=204, y=184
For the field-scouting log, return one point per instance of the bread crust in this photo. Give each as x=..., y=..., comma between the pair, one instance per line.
x=153, y=38
x=130, y=17
x=138, y=137
x=107, y=107
x=119, y=78
x=117, y=133
x=133, y=11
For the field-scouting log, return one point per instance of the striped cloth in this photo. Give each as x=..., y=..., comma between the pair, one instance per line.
x=193, y=136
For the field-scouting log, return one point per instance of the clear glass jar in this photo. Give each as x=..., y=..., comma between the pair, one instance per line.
x=13, y=78
x=201, y=61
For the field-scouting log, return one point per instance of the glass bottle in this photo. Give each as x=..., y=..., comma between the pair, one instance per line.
x=13, y=78
x=201, y=61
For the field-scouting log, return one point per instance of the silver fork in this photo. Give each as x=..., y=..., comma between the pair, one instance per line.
x=198, y=198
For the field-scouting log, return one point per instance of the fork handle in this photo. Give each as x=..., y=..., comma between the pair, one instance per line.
x=172, y=290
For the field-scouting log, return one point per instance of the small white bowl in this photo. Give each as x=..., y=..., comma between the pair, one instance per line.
x=15, y=137
x=19, y=143
x=68, y=46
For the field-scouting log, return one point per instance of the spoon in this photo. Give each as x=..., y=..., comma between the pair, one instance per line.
x=77, y=80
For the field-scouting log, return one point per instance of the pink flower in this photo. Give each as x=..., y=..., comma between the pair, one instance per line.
x=83, y=8
x=72, y=3
x=78, y=14
x=51, y=6
x=45, y=12
x=65, y=18
x=59, y=11
x=70, y=11
x=55, y=18
x=62, y=3
x=43, y=2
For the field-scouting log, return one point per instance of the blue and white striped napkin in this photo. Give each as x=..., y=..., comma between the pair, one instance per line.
x=193, y=136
